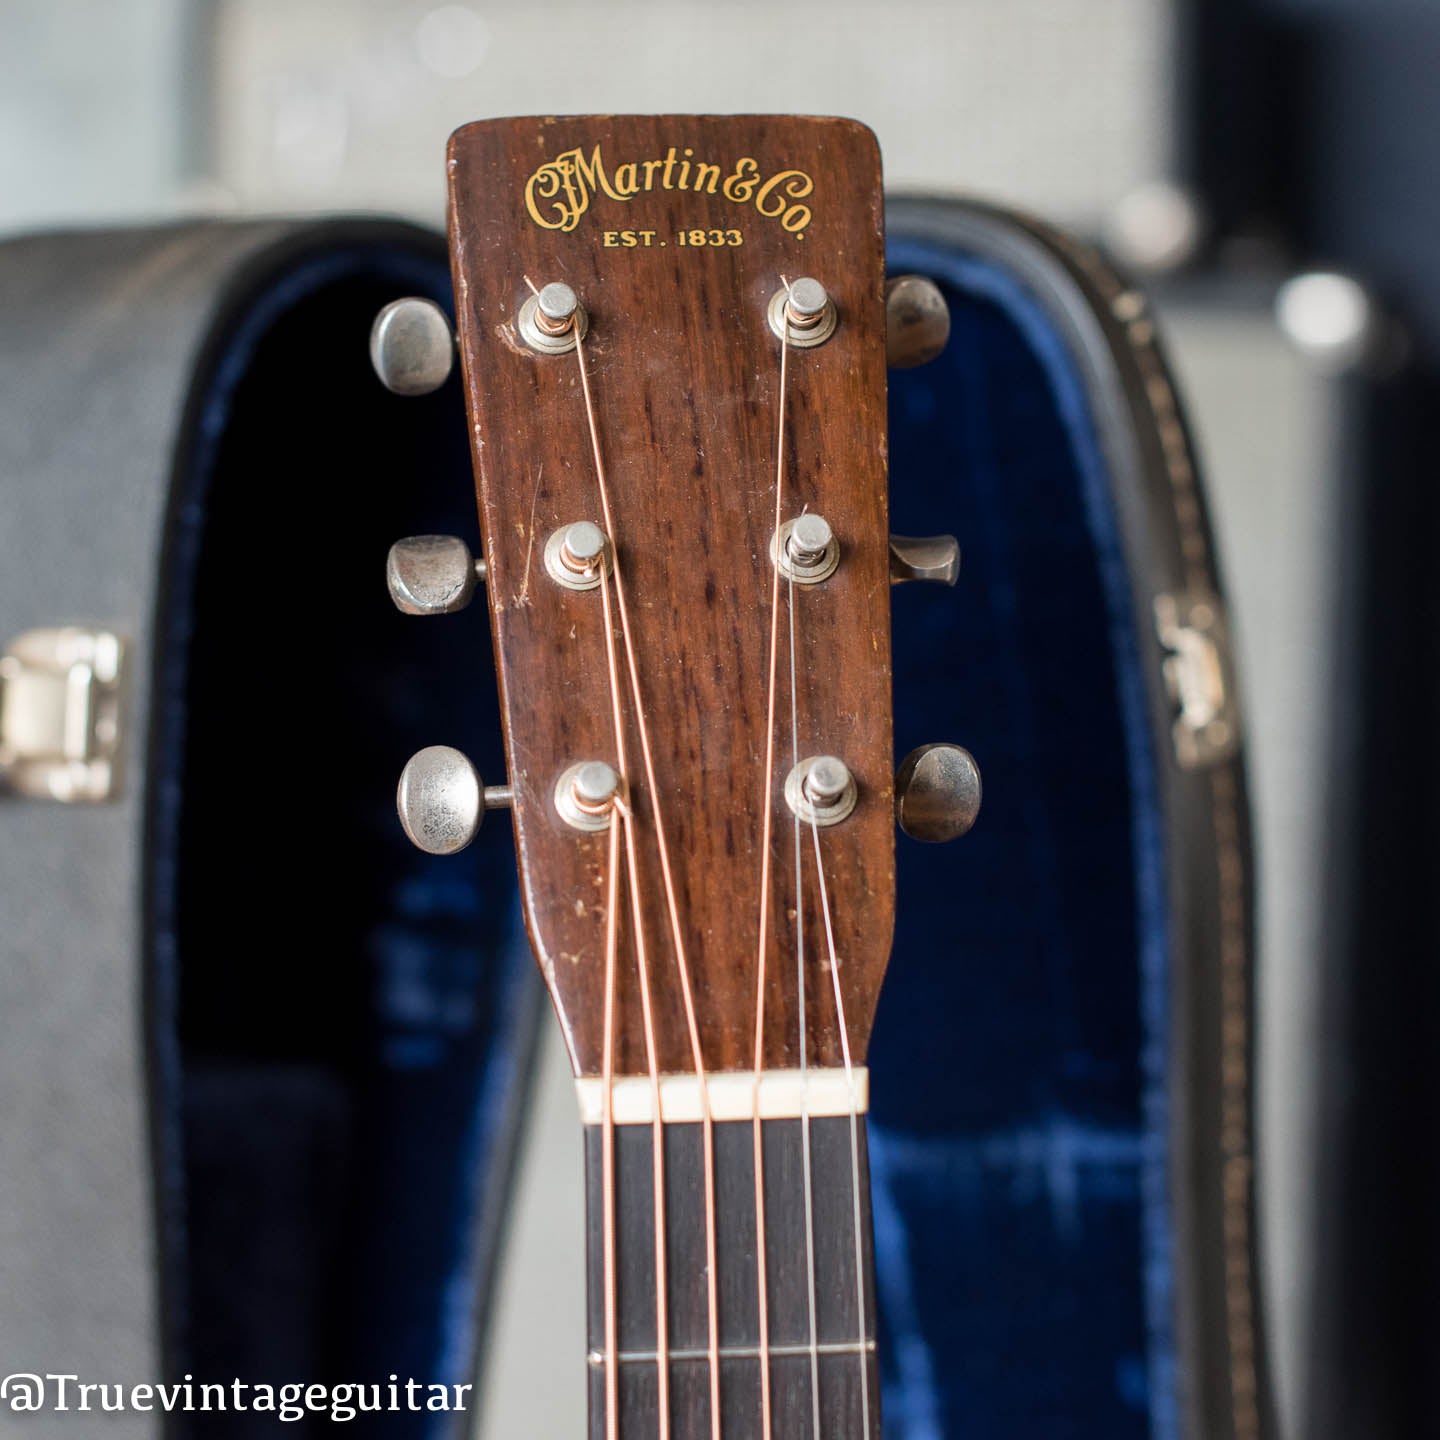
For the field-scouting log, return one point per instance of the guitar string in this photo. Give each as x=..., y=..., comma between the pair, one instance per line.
x=657, y=1131
x=854, y=1129
x=673, y=907
x=692, y=1023
x=767, y=809
x=628, y=818
x=804, y=1038
x=622, y=814
x=657, y=1154
x=607, y=1143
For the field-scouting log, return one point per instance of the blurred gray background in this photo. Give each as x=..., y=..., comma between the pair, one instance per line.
x=121, y=110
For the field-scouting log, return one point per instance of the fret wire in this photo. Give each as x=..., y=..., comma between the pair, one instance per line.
x=865, y=1347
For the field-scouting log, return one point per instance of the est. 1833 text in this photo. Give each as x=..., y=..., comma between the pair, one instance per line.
x=650, y=239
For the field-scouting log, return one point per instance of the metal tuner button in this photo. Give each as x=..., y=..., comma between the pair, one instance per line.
x=432, y=574
x=412, y=346
x=933, y=558
x=937, y=792
x=917, y=321
x=442, y=800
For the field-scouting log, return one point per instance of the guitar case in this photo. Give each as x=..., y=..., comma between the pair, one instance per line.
x=267, y=1064
x=1061, y=1136
x=264, y=1061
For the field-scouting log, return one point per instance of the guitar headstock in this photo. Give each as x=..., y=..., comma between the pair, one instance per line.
x=673, y=335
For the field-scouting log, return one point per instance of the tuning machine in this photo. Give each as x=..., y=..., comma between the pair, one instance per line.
x=442, y=800
x=412, y=346
x=937, y=793
x=432, y=574
x=917, y=321
x=934, y=559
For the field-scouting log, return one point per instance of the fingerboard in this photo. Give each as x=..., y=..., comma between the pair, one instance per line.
x=806, y=1358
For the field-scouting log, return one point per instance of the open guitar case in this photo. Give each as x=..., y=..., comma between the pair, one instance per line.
x=265, y=1064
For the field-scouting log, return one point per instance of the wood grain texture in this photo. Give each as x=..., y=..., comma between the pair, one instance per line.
x=685, y=375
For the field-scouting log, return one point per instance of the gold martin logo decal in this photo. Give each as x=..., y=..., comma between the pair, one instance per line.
x=561, y=190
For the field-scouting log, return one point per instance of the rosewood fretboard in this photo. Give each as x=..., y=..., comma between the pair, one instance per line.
x=797, y=1370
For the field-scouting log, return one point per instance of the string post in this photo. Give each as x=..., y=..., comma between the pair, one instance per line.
x=552, y=319
x=555, y=308
x=586, y=795
x=821, y=790
x=827, y=780
x=579, y=555
x=806, y=306
x=803, y=313
x=805, y=549
x=810, y=538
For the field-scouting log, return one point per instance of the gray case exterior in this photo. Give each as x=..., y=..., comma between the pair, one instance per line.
x=102, y=334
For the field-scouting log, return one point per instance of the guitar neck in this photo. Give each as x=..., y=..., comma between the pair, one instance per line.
x=811, y=1351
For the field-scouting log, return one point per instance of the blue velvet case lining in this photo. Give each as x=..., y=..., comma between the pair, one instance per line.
x=340, y=1023
x=1019, y=1132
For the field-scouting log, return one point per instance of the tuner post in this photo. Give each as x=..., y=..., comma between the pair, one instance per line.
x=579, y=556
x=802, y=313
x=821, y=790
x=552, y=319
x=585, y=795
x=806, y=549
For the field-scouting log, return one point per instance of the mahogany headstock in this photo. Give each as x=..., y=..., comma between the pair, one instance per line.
x=682, y=238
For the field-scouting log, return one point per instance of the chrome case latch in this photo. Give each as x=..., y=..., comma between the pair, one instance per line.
x=60, y=720
x=1199, y=673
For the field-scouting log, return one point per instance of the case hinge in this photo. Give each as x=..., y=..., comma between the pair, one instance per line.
x=60, y=720
x=1200, y=676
